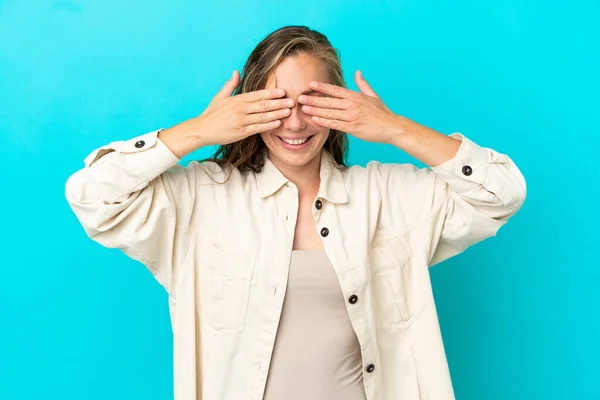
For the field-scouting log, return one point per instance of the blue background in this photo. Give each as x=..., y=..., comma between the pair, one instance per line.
x=519, y=312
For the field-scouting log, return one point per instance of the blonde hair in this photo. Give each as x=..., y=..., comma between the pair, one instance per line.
x=248, y=154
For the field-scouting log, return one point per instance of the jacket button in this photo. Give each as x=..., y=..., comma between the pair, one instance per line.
x=353, y=299
x=324, y=232
x=139, y=144
x=370, y=368
x=467, y=170
x=318, y=204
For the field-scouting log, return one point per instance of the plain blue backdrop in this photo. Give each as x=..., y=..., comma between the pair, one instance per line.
x=519, y=312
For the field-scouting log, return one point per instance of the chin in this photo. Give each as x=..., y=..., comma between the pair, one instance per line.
x=296, y=161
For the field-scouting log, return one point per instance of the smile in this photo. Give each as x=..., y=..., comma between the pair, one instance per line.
x=296, y=142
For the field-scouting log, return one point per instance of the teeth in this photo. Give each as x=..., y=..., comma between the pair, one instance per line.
x=295, y=142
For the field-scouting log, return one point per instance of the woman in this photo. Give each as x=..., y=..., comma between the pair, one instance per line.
x=290, y=275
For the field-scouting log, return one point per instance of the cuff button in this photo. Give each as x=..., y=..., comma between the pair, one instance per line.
x=467, y=170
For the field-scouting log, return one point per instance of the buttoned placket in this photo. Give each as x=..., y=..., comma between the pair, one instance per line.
x=349, y=283
x=287, y=204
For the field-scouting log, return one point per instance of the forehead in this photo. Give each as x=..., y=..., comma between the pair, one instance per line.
x=295, y=73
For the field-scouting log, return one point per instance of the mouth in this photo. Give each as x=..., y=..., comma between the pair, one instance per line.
x=296, y=143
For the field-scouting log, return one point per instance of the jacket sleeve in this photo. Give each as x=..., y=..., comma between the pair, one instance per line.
x=447, y=208
x=133, y=195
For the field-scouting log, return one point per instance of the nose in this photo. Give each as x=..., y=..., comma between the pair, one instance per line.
x=294, y=122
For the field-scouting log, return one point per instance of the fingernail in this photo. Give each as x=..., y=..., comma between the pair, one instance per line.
x=280, y=92
x=313, y=85
x=302, y=99
x=290, y=102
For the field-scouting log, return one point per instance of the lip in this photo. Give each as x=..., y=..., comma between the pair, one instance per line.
x=295, y=147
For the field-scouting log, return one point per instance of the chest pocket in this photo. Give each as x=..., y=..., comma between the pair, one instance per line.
x=226, y=278
x=396, y=284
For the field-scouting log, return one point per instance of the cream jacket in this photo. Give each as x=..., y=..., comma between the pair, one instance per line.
x=222, y=252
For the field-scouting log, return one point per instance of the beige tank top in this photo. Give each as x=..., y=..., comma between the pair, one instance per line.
x=316, y=354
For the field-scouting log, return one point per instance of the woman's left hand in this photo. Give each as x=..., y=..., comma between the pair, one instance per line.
x=361, y=114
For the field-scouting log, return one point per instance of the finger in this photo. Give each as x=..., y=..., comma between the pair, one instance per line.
x=265, y=94
x=327, y=113
x=332, y=123
x=269, y=105
x=261, y=118
x=363, y=86
x=323, y=102
x=229, y=86
x=259, y=128
x=332, y=90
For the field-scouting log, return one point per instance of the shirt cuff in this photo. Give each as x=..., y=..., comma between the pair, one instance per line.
x=467, y=169
x=146, y=153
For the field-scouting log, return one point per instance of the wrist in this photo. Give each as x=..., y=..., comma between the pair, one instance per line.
x=400, y=131
x=184, y=137
x=197, y=131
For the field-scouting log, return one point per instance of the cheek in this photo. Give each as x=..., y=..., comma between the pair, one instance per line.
x=323, y=136
x=268, y=135
x=323, y=131
x=316, y=127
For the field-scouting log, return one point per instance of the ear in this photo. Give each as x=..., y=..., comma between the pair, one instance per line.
x=363, y=86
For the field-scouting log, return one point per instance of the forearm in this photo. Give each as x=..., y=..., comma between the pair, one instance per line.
x=182, y=138
x=424, y=144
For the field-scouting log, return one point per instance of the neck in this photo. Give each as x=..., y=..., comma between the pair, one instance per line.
x=306, y=178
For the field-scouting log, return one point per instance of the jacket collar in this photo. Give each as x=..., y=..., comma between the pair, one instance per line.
x=332, y=187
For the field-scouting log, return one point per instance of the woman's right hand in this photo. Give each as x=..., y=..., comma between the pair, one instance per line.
x=228, y=119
